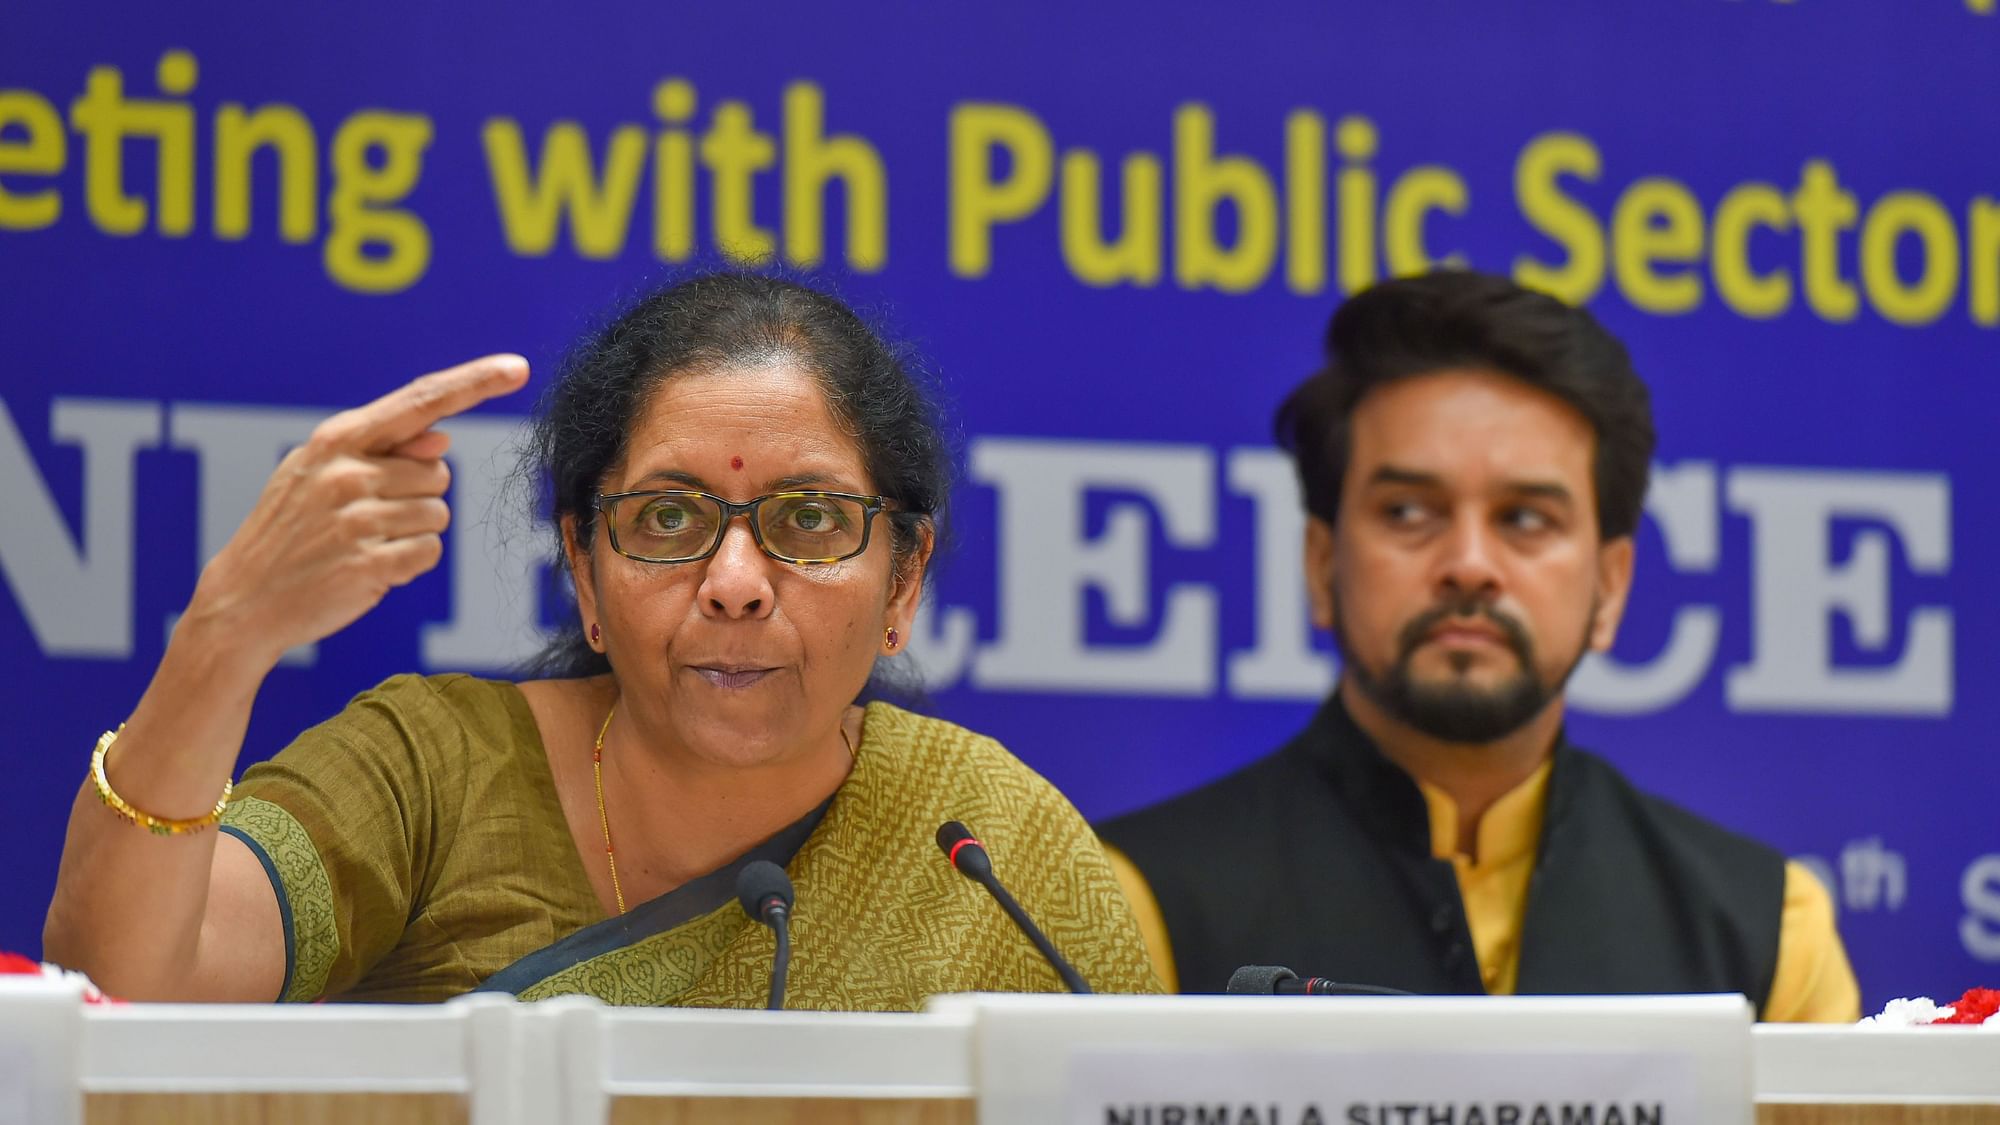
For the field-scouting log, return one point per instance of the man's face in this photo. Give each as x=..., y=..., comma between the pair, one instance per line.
x=1465, y=576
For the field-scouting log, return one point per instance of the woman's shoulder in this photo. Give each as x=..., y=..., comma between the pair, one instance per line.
x=1051, y=859
x=959, y=764
x=448, y=697
x=455, y=690
x=936, y=741
x=432, y=717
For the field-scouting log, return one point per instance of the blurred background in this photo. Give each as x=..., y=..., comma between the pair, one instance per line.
x=1115, y=233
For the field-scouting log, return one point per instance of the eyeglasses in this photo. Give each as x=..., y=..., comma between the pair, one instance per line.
x=804, y=528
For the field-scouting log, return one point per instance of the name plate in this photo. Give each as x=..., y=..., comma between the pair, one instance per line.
x=41, y=1035
x=1233, y=1087
x=17, y=1074
x=1224, y=1060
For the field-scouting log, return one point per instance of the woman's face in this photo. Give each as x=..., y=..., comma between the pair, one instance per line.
x=738, y=658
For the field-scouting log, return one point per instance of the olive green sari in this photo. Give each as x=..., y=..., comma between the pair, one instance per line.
x=418, y=851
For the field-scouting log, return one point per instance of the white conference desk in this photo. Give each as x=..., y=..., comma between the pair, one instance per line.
x=490, y=1061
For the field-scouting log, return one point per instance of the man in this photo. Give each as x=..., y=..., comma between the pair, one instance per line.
x=1473, y=459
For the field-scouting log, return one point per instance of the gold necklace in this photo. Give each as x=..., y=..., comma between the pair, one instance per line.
x=604, y=820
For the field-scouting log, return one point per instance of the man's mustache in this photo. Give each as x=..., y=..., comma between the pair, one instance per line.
x=1515, y=634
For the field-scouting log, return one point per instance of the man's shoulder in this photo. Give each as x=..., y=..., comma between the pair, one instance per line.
x=1701, y=904
x=1605, y=788
x=1238, y=805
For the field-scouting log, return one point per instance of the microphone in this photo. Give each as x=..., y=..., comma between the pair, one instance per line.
x=1276, y=980
x=969, y=857
x=766, y=894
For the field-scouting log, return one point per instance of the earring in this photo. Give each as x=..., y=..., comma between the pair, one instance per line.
x=890, y=637
x=594, y=634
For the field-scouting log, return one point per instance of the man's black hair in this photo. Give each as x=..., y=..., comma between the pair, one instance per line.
x=1461, y=320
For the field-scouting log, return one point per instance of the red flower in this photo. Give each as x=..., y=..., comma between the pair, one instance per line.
x=1975, y=1007
x=14, y=963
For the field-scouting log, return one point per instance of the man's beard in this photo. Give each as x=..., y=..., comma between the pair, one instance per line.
x=1456, y=711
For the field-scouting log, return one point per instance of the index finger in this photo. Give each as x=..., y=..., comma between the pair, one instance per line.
x=414, y=407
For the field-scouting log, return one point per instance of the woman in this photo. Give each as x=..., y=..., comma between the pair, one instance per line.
x=747, y=488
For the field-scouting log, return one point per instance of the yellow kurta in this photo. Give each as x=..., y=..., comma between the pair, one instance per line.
x=1813, y=981
x=418, y=848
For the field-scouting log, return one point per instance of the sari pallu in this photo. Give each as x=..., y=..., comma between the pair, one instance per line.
x=440, y=863
x=881, y=920
x=657, y=951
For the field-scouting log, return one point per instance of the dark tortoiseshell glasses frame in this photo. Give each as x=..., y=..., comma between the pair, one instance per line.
x=870, y=506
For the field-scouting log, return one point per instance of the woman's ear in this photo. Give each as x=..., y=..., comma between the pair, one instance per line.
x=578, y=556
x=906, y=588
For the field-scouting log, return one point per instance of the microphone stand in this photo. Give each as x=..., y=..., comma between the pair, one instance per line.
x=779, y=919
x=968, y=856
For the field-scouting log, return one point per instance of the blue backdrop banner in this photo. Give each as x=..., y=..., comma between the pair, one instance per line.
x=1116, y=232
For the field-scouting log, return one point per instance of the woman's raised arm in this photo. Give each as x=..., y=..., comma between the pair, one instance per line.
x=355, y=511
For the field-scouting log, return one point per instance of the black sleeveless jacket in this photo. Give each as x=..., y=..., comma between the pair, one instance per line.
x=1318, y=858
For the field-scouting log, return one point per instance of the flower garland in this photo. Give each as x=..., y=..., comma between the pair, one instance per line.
x=13, y=964
x=1979, y=1007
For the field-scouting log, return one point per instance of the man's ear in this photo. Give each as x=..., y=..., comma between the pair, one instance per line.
x=1614, y=585
x=906, y=585
x=1319, y=571
x=581, y=577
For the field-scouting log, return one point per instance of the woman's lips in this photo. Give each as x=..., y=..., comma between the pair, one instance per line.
x=731, y=679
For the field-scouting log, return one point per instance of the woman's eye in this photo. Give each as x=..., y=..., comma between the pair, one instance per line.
x=811, y=518
x=667, y=517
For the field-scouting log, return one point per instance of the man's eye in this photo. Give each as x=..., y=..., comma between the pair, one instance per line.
x=1528, y=519
x=1403, y=512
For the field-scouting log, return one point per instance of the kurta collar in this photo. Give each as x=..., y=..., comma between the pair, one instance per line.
x=1395, y=808
x=1510, y=829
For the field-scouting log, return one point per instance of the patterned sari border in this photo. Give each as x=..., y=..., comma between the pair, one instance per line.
x=284, y=901
x=305, y=891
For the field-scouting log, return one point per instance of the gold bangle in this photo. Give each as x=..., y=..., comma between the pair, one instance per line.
x=158, y=826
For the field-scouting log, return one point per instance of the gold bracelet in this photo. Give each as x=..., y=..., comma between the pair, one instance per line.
x=158, y=826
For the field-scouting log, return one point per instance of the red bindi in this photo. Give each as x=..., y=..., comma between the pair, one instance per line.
x=736, y=462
